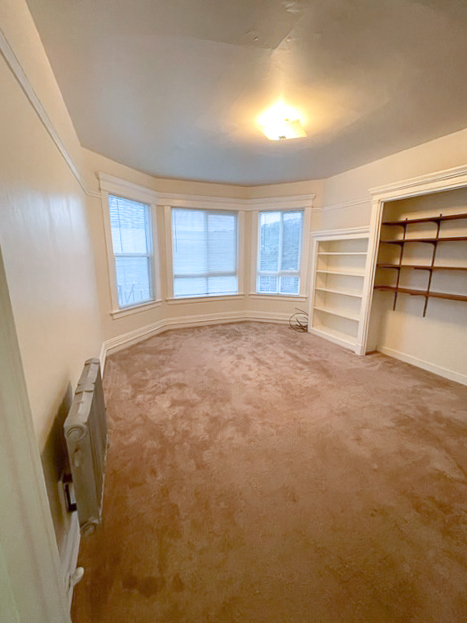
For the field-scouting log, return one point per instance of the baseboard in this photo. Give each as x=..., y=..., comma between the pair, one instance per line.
x=426, y=365
x=69, y=555
x=102, y=356
x=125, y=340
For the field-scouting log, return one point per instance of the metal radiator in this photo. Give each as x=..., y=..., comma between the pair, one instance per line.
x=86, y=439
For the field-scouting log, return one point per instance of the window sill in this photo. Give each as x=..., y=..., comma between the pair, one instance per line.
x=129, y=311
x=203, y=299
x=282, y=297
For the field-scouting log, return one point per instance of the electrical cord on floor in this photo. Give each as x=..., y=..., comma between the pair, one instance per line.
x=299, y=321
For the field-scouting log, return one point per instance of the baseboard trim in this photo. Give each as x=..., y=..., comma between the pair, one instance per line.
x=69, y=555
x=425, y=365
x=125, y=340
x=102, y=356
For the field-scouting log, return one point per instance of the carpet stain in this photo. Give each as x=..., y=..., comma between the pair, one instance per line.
x=260, y=475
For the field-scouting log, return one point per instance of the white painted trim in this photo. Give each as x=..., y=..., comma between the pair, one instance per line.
x=349, y=345
x=123, y=188
x=102, y=356
x=338, y=233
x=370, y=272
x=204, y=299
x=225, y=203
x=202, y=202
x=29, y=91
x=241, y=239
x=136, y=309
x=133, y=337
x=292, y=202
x=350, y=233
x=31, y=558
x=69, y=555
x=278, y=298
x=111, y=183
x=342, y=206
x=168, y=263
x=447, y=179
x=425, y=365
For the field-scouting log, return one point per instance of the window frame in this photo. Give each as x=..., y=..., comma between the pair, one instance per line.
x=154, y=260
x=238, y=257
x=280, y=273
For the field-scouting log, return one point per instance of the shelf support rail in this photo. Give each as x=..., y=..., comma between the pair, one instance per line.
x=404, y=225
x=433, y=257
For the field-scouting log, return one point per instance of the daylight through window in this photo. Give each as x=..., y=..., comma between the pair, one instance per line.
x=130, y=223
x=204, y=248
x=279, y=250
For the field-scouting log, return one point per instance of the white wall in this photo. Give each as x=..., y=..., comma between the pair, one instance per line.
x=44, y=239
x=438, y=341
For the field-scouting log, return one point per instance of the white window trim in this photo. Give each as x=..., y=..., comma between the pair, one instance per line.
x=304, y=252
x=117, y=311
x=208, y=206
x=163, y=279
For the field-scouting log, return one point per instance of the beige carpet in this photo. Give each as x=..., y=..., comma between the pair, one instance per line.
x=260, y=475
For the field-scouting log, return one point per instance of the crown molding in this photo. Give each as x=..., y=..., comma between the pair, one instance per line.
x=448, y=179
x=343, y=205
x=281, y=203
x=111, y=183
x=349, y=231
x=29, y=91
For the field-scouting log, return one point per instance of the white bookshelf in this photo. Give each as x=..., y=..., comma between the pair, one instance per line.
x=339, y=274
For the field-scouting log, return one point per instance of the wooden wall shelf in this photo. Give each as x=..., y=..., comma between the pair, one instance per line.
x=432, y=240
x=432, y=267
x=427, y=219
x=427, y=294
x=421, y=267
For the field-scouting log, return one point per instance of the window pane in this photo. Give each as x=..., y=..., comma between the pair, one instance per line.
x=204, y=246
x=133, y=280
x=270, y=223
x=291, y=234
x=130, y=226
x=268, y=284
x=222, y=243
x=190, y=286
x=189, y=247
x=222, y=285
x=290, y=285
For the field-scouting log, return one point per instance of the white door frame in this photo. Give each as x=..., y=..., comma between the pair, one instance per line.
x=31, y=587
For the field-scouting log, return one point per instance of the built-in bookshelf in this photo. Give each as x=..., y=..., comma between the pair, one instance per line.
x=438, y=233
x=338, y=277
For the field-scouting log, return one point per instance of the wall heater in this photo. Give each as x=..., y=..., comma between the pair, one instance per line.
x=86, y=439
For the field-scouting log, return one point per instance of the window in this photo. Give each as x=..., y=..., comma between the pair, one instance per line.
x=279, y=249
x=204, y=248
x=130, y=223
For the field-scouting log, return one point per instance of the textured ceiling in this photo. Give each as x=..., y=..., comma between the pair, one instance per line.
x=173, y=87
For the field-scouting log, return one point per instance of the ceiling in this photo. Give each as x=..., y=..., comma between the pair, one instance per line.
x=173, y=87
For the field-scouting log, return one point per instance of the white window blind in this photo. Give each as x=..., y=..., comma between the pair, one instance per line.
x=130, y=223
x=204, y=248
x=279, y=250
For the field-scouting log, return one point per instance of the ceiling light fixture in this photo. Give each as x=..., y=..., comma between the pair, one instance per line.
x=281, y=122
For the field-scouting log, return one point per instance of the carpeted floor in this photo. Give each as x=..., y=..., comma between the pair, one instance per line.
x=257, y=475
